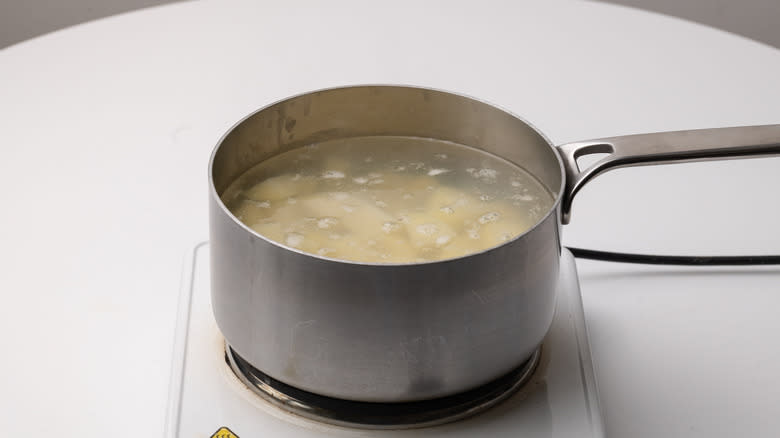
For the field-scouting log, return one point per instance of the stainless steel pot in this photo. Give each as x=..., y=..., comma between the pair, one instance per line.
x=409, y=332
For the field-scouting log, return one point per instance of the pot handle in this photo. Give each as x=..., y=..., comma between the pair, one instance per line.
x=663, y=147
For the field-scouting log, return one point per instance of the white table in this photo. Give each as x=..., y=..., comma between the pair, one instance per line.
x=107, y=127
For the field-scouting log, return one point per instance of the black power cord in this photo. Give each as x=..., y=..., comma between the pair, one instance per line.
x=650, y=259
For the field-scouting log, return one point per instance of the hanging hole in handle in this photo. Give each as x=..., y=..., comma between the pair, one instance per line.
x=586, y=161
x=598, y=153
x=590, y=154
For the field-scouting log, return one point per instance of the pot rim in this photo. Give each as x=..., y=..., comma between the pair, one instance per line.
x=553, y=209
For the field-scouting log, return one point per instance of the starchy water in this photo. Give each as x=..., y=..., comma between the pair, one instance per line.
x=388, y=199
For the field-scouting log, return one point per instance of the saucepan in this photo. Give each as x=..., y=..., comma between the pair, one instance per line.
x=370, y=332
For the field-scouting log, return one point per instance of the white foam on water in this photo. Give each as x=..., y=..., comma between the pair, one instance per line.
x=486, y=175
x=261, y=204
x=488, y=218
x=294, y=239
x=522, y=197
x=389, y=227
x=427, y=229
x=443, y=240
x=325, y=251
x=333, y=174
x=326, y=222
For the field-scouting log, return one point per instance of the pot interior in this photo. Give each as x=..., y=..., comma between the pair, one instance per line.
x=384, y=111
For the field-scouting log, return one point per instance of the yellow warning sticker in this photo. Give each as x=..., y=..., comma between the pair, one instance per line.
x=224, y=432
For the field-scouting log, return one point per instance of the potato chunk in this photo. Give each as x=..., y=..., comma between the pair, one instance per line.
x=280, y=187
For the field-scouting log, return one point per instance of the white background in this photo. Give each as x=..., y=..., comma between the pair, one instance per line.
x=106, y=131
x=23, y=19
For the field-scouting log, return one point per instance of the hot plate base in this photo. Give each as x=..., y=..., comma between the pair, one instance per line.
x=559, y=400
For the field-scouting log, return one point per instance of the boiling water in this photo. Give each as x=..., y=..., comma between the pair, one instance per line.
x=387, y=199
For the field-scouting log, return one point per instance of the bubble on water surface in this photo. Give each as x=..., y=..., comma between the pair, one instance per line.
x=427, y=229
x=488, y=218
x=443, y=240
x=389, y=227
x=485, y=175
x=522, y=197
x=332, y=174
x=327, y=222
x=294, y=239
x=325, y=251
